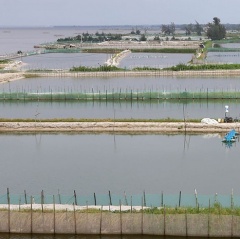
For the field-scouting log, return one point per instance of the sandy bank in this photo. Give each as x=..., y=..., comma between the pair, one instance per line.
x=7, y=77
x=110, y=127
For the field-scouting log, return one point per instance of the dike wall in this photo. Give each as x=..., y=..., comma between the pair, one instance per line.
x=118, y=223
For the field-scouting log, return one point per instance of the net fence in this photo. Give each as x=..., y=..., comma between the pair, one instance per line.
x=148, y=200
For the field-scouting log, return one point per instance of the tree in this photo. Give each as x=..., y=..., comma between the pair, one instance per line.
x=143, y=38
x=215, y=30
x=198, y=29
x=169, y=29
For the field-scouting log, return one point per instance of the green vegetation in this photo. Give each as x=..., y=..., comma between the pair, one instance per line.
x=101, y=50
x=28, y=75
x=93, y=38
x=215, y=209
x=216, y=31
x=4, y=61
x=183, y=67
x=104, y=68
x=164, y=50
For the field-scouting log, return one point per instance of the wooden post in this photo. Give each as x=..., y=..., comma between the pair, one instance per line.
x=42, y=199
x=180, y=197
x=110, y=198
x=142, y=219
x=196, y=198
x=19, y=203
x=100, y=231
x=54, y=216
x=95, y=200
x=131, y=204
x=209, y=207
x=75, y=223
x=164, y=221
x=59, y=197
x=75, y=197
x=162, y=199
x=186, y=222
x=120, y=205
x=9, y=212
x=25, y=196
x=125, y=196
x=31, y=216
x=144, y=199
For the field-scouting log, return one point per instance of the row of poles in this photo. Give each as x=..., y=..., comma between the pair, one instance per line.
x=143, y=199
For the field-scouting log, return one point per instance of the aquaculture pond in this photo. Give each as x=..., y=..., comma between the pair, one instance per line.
x=120, y=163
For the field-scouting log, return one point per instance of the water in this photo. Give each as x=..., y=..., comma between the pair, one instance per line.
x=63, y=61
x=223, y=57
x=102, y=162
x=155, y=60
x=24, y=39
x=97, y=163
x=119, y=110
x=158, y=83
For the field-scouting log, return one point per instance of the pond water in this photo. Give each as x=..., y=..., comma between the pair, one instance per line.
x=158, y=83
x=63, y=61
x=97, y=163
x=223, y=57
x=68, y=60
x=119, y=110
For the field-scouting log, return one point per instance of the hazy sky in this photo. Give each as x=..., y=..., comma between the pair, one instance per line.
x=115, y=12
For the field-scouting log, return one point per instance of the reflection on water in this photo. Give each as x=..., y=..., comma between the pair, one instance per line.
x=98, y=163
x=119, y=109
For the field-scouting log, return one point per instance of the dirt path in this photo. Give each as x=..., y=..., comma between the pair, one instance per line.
x=121, y=127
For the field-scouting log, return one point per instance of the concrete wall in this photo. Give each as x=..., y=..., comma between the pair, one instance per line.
x=69, y=222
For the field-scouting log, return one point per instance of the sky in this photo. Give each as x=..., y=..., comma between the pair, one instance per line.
x=115, y=12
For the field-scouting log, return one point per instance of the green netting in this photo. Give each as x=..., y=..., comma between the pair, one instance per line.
x=121, y=95
x=149, y=200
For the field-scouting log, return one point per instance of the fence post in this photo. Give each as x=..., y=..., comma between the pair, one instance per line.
x=164, y=220
x=209, y=207
x=95, y=199
x=186, y=222
x=75, y=197
x=110, y=198
x=42, y=199
x=101, y=221
x=25, y=196
x=54, y=216
x=59, y=197
x=180, y=197
x=162, y=199
x=9, y=220
x=120, y=205
x=144, y=199
x=31, y=216
x=74, y=215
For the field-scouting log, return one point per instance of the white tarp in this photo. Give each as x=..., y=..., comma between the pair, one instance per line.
x=209, y=121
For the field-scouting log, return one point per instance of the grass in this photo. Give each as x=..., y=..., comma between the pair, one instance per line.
x=4, y=61
x=164, y=50
x=103, y=68
x=184, y=67
x=29, y=75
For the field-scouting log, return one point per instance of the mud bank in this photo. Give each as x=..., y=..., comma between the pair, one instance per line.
x=109, y=127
